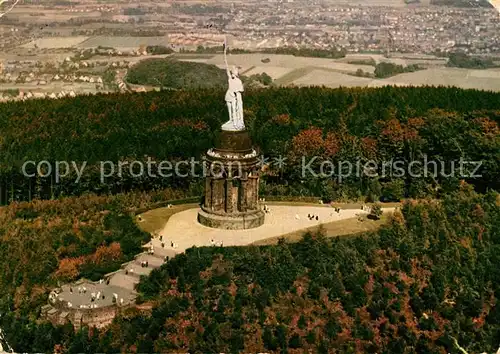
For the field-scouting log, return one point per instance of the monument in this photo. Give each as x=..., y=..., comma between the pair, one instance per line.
x=233, y=168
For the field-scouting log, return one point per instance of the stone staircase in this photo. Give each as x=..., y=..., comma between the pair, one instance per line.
x=69, y=304
x=130, y=273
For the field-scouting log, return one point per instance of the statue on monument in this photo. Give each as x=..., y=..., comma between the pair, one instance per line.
x=233, y=98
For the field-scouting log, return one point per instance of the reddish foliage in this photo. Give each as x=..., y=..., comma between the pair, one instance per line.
x=369, y=286
x=233, y=288
x=393, y=130
x=308, y=142
x=466, y=242
x=294, y=321
x=76, y=227
x=489, y=127
x=69, y=267
x=363, y=314
x=173, y=292
x=281, y=119
x=391, y=287
x=205, y=274
x=200, y=125
x=153, y=107
x=332, y=144
x=398, y=218
x=405, y=279
x=369, y=146
x=301, y=285
x=478, y=212
x=105, y=253
x=416, y=123
x=480, y=231
x=397, y=132
x=487, y=305
x=420, y=274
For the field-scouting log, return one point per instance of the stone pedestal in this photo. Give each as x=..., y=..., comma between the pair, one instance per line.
x=232, y=184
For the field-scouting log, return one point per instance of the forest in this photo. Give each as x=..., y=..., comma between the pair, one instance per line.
x=462, y=3
x=383, y=70
x=158, y=49
x=424, y=283
x=331, y=53
x=46, y=242
x=359, y=124
x=175, y=75
x=462, y=60
x=171, y=73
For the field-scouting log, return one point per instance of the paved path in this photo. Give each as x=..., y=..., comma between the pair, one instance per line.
x=184, y=230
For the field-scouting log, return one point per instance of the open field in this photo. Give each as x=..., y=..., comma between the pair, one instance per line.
x=122, y=43
x=399, y=59
x=35, y=14
x=327, y=78
x=54, y=86
x=274, y=71
x=56, y=42
x=388, y=3
x=301, y=71
x=23, y=54
x=131, y=59
x=293, y=75
x=286, y=61
x=463, y=78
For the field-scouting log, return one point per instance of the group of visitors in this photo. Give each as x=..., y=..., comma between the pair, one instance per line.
x=218, y=243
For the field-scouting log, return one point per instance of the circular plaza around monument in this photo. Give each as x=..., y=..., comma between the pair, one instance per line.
x=184, y=230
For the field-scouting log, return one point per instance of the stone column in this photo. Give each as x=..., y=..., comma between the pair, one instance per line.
x=229, y=195
x=222, y=194
x=234, y=200
x=257, y=185
x=213, y=192
x=218, y=194
x=243, y=195
x=208, y=193
x=252, y=192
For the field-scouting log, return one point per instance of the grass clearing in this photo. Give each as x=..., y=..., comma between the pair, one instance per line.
x=346, y=227
x=154, y=220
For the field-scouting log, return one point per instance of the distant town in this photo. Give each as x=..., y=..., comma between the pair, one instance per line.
x=64, y=48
